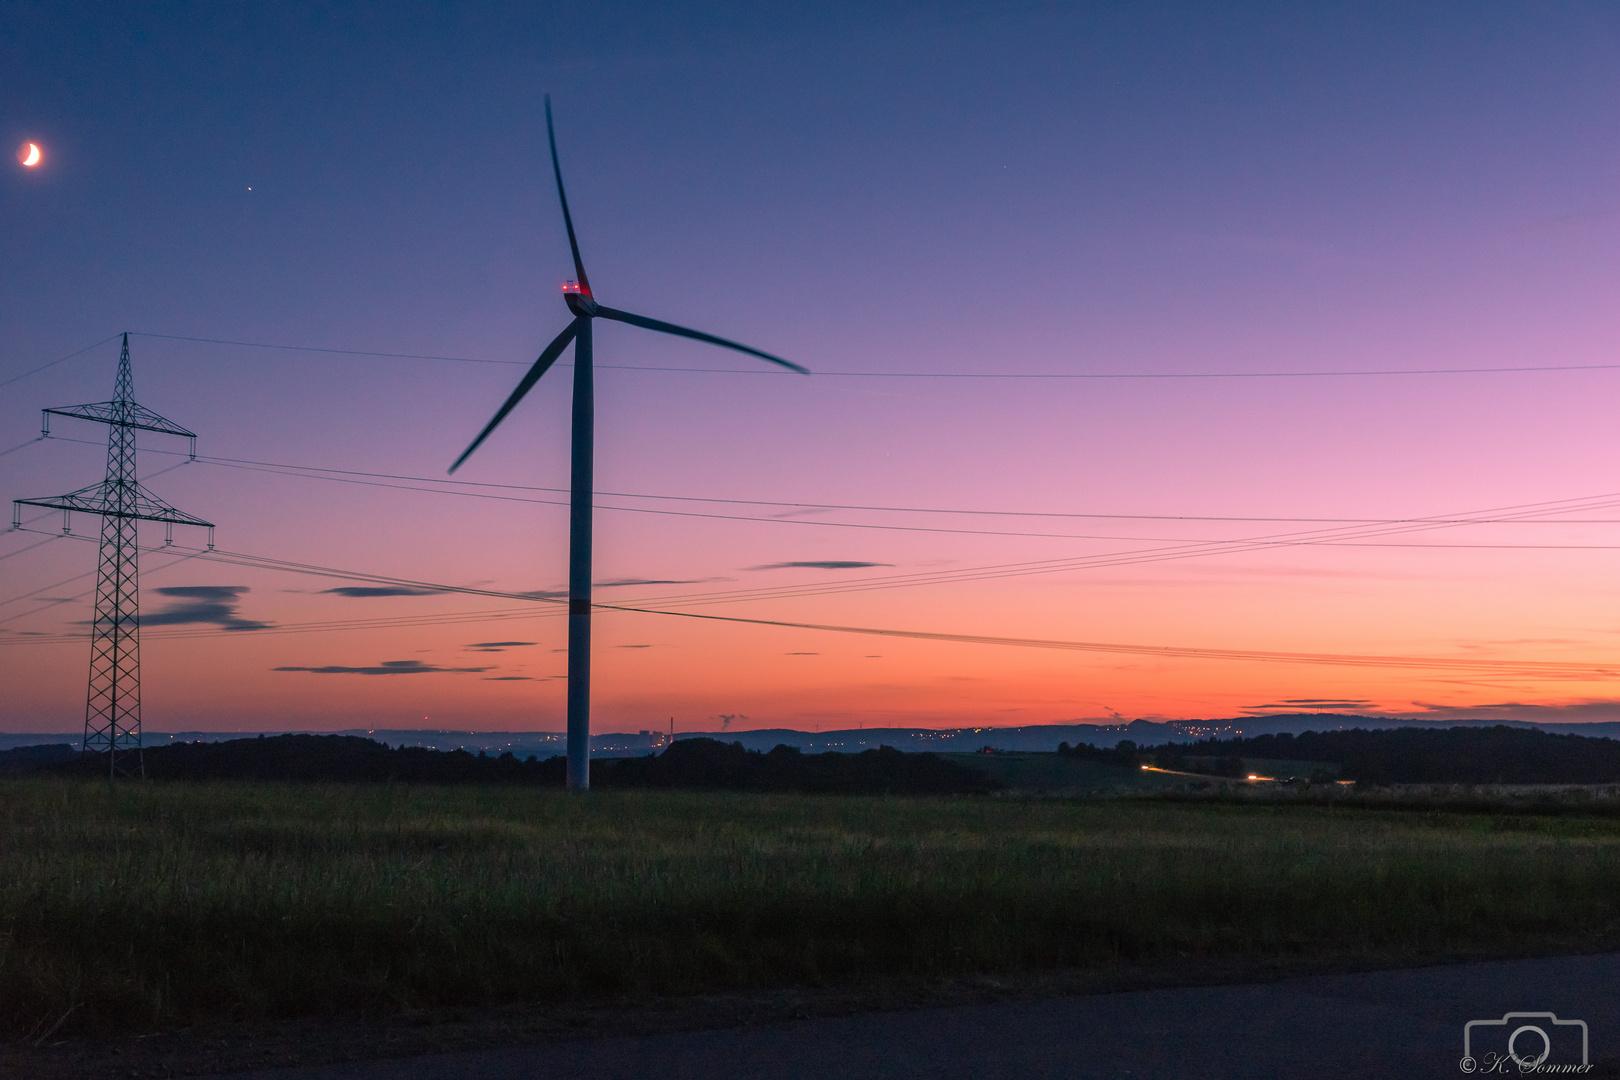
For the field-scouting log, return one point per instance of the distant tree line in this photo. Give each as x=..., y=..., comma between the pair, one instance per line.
x=21, y=759
x=688, y=763
x=710, y=763
x=1124, y=752
x=1459, y=755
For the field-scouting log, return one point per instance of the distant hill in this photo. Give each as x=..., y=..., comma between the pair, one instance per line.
x=1441, y=754
x=1033, y=737
x=311, y=758
x=689, y=763
x=1456, y=755
x=21, y=759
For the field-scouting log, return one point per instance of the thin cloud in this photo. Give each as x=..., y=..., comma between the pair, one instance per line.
x=1570, y=712
x=616, y=583
x=387, y=667
x=216, y=593
x=207, y=605
x=820, y=564
x=360, y=592
x=635, y=646
x=497, y=646
x=509, y=678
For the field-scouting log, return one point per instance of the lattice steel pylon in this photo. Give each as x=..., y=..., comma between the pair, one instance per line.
x=112, y=712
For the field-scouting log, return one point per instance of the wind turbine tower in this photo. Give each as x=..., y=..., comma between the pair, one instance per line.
x=582, y=304
x=112, y=712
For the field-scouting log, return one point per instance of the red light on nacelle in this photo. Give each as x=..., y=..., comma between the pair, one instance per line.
x=570, y=286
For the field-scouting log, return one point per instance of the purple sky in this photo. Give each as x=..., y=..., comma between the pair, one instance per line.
x=941, y=190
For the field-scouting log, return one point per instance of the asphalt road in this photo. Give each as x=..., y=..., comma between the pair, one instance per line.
x=1389, y=1024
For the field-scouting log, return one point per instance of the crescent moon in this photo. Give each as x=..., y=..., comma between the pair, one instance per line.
x=31, y=156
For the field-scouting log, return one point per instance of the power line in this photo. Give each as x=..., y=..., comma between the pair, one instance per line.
x=1000, y=375
x=30, y=547
x=933, y=374
x=1174, y=551
x=51, y=602
x=46, y=588
x=484, y=615
x=1570, y=670
x=23, y=445
x=313, y=349
x=58, y=360
x=276, y=468
x=1546, y=669
x=1334, y=537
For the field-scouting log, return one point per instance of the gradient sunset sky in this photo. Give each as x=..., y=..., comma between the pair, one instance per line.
x=1043, y=260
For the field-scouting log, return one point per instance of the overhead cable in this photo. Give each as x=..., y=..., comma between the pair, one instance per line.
x=1564, y=670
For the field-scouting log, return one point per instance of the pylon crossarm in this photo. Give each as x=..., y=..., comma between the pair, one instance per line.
x=95, y=500
x=120, y=413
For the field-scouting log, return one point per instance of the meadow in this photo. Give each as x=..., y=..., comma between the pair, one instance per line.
x=141, y=906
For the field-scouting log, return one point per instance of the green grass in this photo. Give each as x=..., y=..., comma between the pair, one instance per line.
x=157, y=904
x=1038, y=772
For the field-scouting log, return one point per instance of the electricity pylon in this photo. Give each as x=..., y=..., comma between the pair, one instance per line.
x=112, y=711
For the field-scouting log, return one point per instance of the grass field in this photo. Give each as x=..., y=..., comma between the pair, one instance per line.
x=1036, y=772
x=140, y=906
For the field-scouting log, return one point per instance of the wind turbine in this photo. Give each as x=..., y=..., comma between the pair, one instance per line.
x=577, y=295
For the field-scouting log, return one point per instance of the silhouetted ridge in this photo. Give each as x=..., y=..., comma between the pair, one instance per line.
x=22, y=759
x=331, y=757
x=689, y=763
x=1460, y=755
x=710, y=763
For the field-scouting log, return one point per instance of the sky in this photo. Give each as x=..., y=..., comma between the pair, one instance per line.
x=1090, y=294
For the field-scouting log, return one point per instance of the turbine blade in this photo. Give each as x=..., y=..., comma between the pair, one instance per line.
x=545, y=360
x=579, y=264
x=696, y=335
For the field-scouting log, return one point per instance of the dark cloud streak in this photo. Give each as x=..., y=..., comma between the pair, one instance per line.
x=822, y=564
x=367, y=591
x=496, y=646
x=387, y=667
x=205, y=605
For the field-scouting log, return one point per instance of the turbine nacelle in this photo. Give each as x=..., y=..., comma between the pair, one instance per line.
x=577, y=295
x=579, y=300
